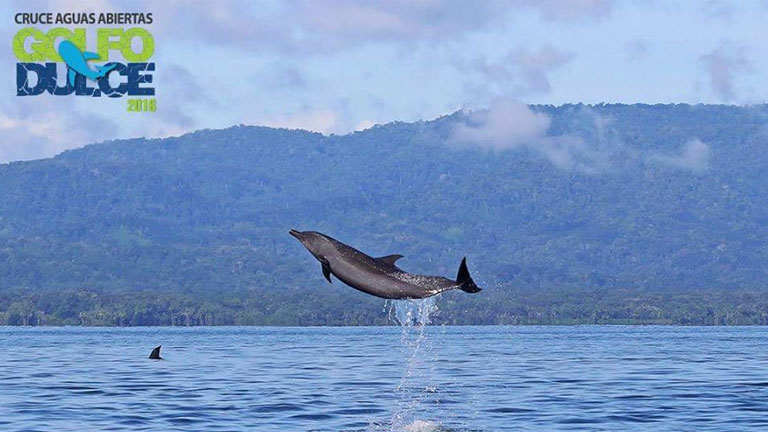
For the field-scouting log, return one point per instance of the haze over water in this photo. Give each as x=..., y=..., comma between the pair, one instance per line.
x=385, y=378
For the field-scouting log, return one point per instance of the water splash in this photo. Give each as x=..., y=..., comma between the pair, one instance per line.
x=412, y=313
x=423, y=426
x=415, y=387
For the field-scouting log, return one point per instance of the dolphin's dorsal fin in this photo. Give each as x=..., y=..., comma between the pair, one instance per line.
x=390, y=259
x=155, y=354
x=90, y=55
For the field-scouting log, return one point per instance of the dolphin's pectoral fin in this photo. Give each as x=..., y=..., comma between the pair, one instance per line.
x=90, y=55
x=71, y=74
x=390, y=259
x=327, y=272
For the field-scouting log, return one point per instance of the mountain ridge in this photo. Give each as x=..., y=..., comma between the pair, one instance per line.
x=606, y=200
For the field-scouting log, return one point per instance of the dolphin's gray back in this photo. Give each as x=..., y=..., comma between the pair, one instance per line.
x=382, y=278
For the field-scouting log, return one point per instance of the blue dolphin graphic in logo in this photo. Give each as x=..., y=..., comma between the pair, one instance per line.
x=78, y=62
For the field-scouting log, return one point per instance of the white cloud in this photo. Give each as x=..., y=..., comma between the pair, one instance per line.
x=505, y=125
x=694, y=156
x=513, y=125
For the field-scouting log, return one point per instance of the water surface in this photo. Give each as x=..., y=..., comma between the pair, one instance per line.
x=385, y=378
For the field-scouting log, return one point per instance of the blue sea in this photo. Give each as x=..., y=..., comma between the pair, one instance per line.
x=399, y=378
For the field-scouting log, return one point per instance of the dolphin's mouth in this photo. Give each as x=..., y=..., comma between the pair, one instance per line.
x=295, y=233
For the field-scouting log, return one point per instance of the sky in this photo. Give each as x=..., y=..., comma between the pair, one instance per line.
x=336, y=66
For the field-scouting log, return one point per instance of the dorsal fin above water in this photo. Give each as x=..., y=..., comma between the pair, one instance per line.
x=155, y=354
x=390, y=259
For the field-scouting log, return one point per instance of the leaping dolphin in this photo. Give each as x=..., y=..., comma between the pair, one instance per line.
x=378, y=276
x=78, y=62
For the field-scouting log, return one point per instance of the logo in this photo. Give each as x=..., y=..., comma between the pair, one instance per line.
x=112, y=62
x=78, y=62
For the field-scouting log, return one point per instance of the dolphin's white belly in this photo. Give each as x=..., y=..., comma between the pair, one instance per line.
x=375, y=282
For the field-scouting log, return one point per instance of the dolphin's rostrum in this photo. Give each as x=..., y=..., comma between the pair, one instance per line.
x=378, y=276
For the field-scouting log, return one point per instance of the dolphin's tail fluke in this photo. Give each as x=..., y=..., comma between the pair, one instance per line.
x=104, y=70
x=465, y=281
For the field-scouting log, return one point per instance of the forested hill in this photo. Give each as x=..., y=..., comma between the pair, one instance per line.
x=614, y=213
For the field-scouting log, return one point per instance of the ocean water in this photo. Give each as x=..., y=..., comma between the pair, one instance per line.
x=407, y=378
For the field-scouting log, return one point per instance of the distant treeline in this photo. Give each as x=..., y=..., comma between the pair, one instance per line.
x=628, y=214
x=303, y=308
